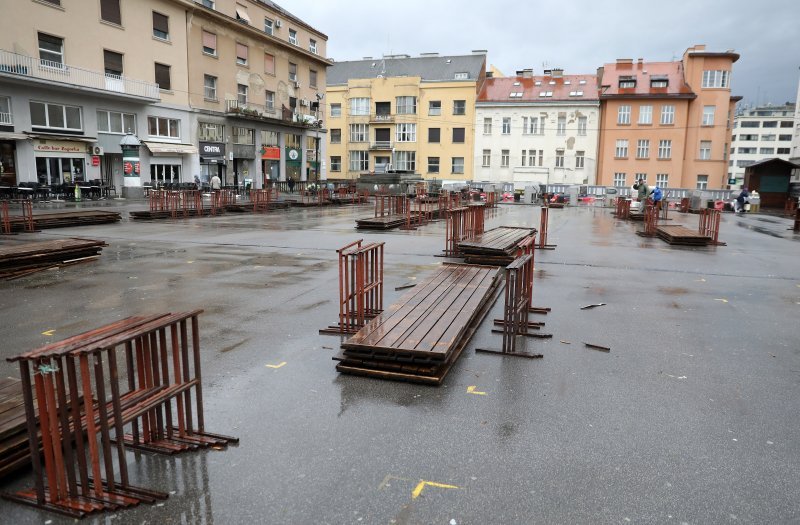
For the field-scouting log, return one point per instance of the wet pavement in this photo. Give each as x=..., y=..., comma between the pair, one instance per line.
x=691, y=418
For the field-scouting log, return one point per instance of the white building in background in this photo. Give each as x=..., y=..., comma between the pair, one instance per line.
x=795, y=156
x=760, y=133
x=537, y=129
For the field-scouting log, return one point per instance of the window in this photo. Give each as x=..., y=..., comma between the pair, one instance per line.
x=664, y=149
x=241, y=94
x=406, y=105
x=359, y=106
x=312, y=78
x=523, y=157
x=530, y=126
x=112, y=63
x=336, y=163
x=768, y=138
x=747, y=138
x=751, y=124
x=5, y=111
x=53, y=2
x=487, y=158
x=582, y=126
x=747, y=151
x=645, y=114
x=109, y=11
x=405, y=160
x=115, y=122
x=457, y=164
x=461, y=76
x=51, y=50
x=208, y=3
x=336, y=136
x=541, y=157
x=619, y=180
x=358, y=132
x=770, y=124
x=293, y=36
x=208, y=132
x=580, y=160
x=269, y=99
x=241, y=54
x=667, y=115
x=435, y=109
x=627, y=82
x=702, y=182
x=336, y=110
x=359, y=161
x=161, y=173
x=312, y=46
x=269, y=64
x=504, y=158
x=705, y=150
x=434, y=135
x=245, y=136
x=160, y=26
x=487, y=126
x=786, y=124
x=662, y=180
x=744, y=163
x=406, y=132
x=561, y=126
x=624, y=115
x=269, y=28
x=643, y=148
x=784, y=151
x=716, y=79
x=56, y=116
x=784, y=138
x=506, y=130
x=656, y=82
x=433, y=164
x=209, y=43
x=293, y=74
x=640, y=176
x=163, y=77
x=708, y=115
x=622, y=149
x=532, y=157
x=241, y=14
x=560, y=158
x=164, y=127
x=458, y=135
x=460, y=108
x=210, y=87
x=766, y=151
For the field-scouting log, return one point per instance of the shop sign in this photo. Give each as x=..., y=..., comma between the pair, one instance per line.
x=52, y=146
x=294, y=154
x=270, y=153
x=95, y=160
x=212, y=149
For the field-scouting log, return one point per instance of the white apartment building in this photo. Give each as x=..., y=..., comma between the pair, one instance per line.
x=532, y=130
x=758, y=134
x=795, y=156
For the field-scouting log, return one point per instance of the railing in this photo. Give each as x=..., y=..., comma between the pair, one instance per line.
x=381, y=144
x=20, y=65
x=6, y=118
x=253, y=110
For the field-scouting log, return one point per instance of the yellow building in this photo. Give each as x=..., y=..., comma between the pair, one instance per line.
x=403, y=114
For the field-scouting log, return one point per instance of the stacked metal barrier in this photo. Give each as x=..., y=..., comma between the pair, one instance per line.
x=709, y=224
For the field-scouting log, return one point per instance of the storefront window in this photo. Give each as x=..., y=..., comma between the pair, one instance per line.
x=51, y=171
x=161, y=173
x=293, y=141
x=8, y=171
x=270, y=138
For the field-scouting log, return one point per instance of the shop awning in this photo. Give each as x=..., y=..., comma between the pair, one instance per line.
x=53, y=136
x=7, y=135
x=242, y=13
x=167, y=148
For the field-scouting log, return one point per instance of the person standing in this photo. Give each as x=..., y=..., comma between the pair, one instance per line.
x=291, y=185
x=741, y=200
x=643, y=193
x=216, y=183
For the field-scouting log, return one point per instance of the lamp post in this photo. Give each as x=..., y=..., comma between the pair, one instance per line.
x=131, y=180
x=318, y=125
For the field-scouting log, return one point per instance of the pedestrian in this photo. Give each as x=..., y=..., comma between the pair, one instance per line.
x=216, y=183
x=291, y=185
x=643, y=192
x=741, y=200
x=197, y=183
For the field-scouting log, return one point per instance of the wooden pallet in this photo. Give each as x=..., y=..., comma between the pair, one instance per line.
x=23, y=259
x=680, y=235
x=420, y=337
x=14, y=450
x=496, y=247
x=64, y=219
x=387, y=222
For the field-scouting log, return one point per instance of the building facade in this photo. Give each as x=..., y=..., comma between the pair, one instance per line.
x=795, y=155
x=403, y=113
x=759, y=134
x=667, y=122
x=76, y=77
x=532, y=130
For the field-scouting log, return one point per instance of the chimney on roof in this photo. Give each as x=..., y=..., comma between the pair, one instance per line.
x=557, y=72
x=624, y=63
x=640, y=63
x=490, y=74
x=479, y=52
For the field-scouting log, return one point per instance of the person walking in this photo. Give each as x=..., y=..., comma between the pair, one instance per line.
x=741, y=200
x=216, y=183
x=291, y=185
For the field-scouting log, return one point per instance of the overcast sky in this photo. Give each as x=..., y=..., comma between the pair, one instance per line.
x=578, y=35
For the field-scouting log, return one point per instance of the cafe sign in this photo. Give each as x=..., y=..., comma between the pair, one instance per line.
x=54, y=146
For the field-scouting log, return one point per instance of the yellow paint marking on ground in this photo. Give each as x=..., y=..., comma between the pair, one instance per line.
x=276, y=366
x=48, y=332
x=189, y=262
x=721, y=300
x=422, y=484
x=387, y=479
x=471, y=390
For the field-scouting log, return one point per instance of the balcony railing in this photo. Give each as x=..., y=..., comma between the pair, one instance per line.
x=251, y=110
x=381, y=117
x=23, y=66
x=6, y=119
x=381, y=145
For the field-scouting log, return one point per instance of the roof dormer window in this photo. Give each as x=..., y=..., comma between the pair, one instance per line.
x=659, y=82
x=627, y=82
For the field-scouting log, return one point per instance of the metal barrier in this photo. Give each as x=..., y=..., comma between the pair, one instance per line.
x=544, y=220
x=162, y=407
x=797, y=220
x=623, y=208
x=685, y=203
x=386, y=205
x=650, y=220
x=5, y=218
x=261, y=200
x=709, y=224
x=463, y=223
x=360, y=286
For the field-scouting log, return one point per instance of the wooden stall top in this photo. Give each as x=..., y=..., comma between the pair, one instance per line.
x=429, y=320
x=499, y=240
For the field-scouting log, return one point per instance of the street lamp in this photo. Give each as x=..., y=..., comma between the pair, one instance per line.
x=318, y=125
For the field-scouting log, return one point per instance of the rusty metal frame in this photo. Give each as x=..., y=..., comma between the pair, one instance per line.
x=544, y=222
x=709, y=225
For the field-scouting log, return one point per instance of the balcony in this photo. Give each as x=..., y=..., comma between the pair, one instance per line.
x=381, y=145
x=30, y=69
x=261, y=112
x=381, y=118
x=6, y=119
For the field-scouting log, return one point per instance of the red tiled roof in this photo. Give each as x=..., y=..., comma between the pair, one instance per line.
x=644, y=73
x=500, y=89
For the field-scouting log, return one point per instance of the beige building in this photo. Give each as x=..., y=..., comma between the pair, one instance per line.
x=76, y=76
x=667, y=122
x=405, y=114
